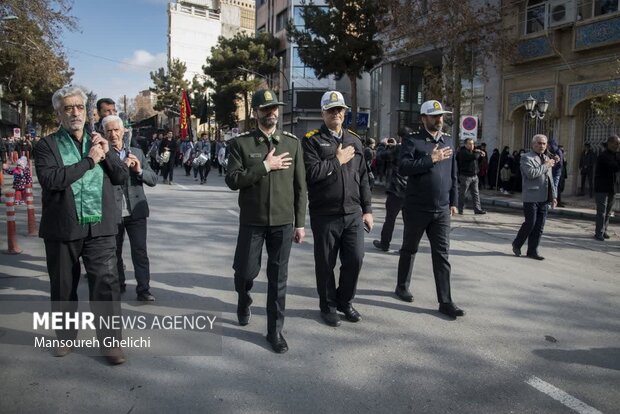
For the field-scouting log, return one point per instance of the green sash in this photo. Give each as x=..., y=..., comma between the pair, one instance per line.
x=88, y=190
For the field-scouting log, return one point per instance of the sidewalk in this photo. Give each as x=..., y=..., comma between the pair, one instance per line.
x=577, y=207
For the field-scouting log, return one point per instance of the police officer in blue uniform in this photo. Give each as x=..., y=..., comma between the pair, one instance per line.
x=428, y=159
x=340, y=207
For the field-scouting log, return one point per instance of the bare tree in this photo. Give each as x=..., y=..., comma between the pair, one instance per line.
x=467, y=34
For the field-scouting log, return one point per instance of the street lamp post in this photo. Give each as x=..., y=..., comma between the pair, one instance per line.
x=536, y=109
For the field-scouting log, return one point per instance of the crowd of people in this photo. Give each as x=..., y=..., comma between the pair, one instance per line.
x=92, y=195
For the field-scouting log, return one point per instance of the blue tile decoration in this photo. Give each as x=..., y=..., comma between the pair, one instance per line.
x=597, y=33
x=515, y=99
x=534, y=48
x=577, y=93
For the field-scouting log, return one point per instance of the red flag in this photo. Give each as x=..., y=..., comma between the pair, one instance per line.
x=186, y=113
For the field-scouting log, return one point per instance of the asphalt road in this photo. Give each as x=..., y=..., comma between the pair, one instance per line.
x=538, y=336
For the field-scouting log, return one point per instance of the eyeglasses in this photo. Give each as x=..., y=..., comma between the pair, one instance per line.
x=69, y=108
x=334, y=110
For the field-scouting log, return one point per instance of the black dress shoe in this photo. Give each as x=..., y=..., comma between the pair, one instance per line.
x=606, y=236
x=451, y=310
x=244, y=313
x=146, y=297
x=379, y=246
x=516, y=250
x=480, y=212
x=535, y=256
x=62, y=351
x=404, y=294
x=115, y=356
x=278, y=343
x=600, y=238
x=350, y=313
x=330, y=318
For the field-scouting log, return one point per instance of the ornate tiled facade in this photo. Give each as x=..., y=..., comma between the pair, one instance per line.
x=597, y=33
x=579, y=92
x=534, y=48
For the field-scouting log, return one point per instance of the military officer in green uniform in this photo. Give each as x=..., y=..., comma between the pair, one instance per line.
x=266, y=165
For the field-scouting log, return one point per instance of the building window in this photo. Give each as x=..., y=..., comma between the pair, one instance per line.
x=261, y=29
x=403, y=93
x=301, y=71
x=281, y=20
x=298, y=19
x=605, y=6
x=536, y=16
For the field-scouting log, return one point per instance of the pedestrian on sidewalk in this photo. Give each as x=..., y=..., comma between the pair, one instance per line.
x=21, y=178
x=468, y=160
x=586, y=169
x=266, y=166
x=605, y=185
x=538, y=193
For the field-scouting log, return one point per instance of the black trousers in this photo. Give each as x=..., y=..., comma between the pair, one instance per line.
x=63, y=266
x=247, y=262
x=437, y=228
x=167, y=170
x=393, y=205
x=334, y=235
x=136, y=230
x=532, y=228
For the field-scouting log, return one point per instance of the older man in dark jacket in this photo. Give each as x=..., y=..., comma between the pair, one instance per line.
x=79, y=218
x=132, y=205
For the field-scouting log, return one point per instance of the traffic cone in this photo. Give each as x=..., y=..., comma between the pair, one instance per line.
x=32, y=221
x=11, y=233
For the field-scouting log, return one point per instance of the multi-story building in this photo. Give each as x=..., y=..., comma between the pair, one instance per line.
x=398, y=89
x=195, y=25
x=568, y=56
x=302, y=90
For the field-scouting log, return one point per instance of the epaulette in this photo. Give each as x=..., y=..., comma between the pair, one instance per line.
x=311, y=133
x=243, y=134
x=353, y=133
x=288, y=134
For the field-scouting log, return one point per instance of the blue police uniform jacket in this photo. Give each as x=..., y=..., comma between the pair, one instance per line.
x=431, y=186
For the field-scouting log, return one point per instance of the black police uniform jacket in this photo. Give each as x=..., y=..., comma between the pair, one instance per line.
x=334, y=188
x=431, y=186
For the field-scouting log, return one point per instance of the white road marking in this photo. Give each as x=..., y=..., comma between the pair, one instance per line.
x=233, y=212
x=564, y=398
x=182, y=186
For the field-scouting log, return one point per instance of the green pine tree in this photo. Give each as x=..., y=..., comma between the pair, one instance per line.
x=340, y=40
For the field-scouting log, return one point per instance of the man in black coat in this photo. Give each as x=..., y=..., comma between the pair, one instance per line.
x=605, y=182
x=467, y=160
x=77, y=173
x=340, y=207
x=133, y=207
x=427, y=158
x=395, y=189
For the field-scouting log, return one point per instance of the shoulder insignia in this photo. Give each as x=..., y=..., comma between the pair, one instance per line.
x=311, y=133
x=243, y=134
x=288, y=134
x=353, y=133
